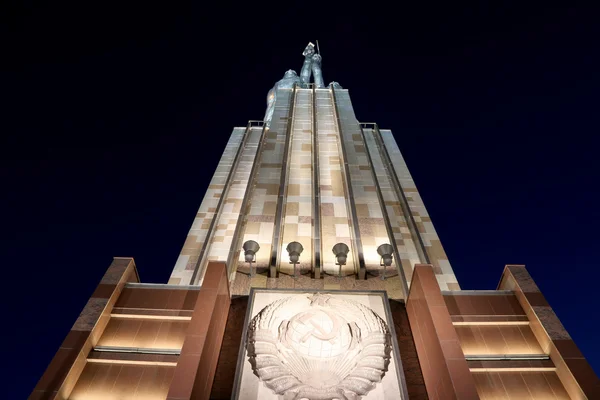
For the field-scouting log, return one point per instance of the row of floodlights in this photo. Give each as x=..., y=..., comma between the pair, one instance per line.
x=340, y=250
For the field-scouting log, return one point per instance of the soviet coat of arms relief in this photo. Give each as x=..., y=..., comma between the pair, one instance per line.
x=330, y=348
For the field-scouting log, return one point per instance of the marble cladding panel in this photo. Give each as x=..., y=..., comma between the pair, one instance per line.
x=400, y=231
x=575, y=373
x=335, y=226
x=90, y=314
x=497, y=340
x=197, y=362
x=535, y=305
x=484, y=306
x=433, y=246
x=442, y=360
x=223, y=382
x=127, y=382
x=186, y=262
x=259, y=220
x=221, y=243
x=297, y=224
x=520, y=385
x=369, y=210
x=415, y=383
x=144, y=333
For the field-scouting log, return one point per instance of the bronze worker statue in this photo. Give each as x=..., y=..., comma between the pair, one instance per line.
x=311, y=66
x=312, y=63
x=290, y=78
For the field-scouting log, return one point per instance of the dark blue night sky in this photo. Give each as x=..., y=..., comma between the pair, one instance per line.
x=114, y=117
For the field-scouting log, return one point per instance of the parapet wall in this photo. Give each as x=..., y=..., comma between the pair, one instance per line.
x=504, y=343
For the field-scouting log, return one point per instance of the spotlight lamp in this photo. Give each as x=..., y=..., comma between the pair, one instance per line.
x=341, y=254
x=294, y=249
x=250, y=249
x=385, y=252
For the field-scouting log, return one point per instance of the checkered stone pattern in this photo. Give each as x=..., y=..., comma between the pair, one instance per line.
x=259, y=220
x=297, y=224
x=371, y=222
x=335, y=225
x=221, y=243
x=188, y=258
x=433, y=246
x=400, y=231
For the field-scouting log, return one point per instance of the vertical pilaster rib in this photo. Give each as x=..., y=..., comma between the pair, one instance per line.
x=412, y=225
x=386, y=217
x=316, y=192
x=219, y=208
x=357, y=244
x=241, y=224
x=279, y=215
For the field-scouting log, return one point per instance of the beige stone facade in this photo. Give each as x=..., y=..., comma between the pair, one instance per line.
x=266, y=189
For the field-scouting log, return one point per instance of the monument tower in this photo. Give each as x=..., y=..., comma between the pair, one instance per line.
x=312, y=270
x=312, y=173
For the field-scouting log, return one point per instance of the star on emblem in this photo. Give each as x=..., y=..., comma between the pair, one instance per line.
x=319, y=299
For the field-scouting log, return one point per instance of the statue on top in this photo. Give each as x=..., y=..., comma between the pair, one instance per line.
x=312, y=63
x=311, y=66
x=290, y=78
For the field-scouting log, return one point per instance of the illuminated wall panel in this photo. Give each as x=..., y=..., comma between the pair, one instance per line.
x=335, y=227
x=259, y=220
x=188, y=258
x=151, y=333
x=519, y=385
x=297, y=223
x=123, y=382
x=433, y=245
x=400, y=231
x=497, y=340
x=370, y=221
x=224, y=229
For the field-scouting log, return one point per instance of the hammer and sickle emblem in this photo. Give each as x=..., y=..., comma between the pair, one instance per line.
x=317, y=330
